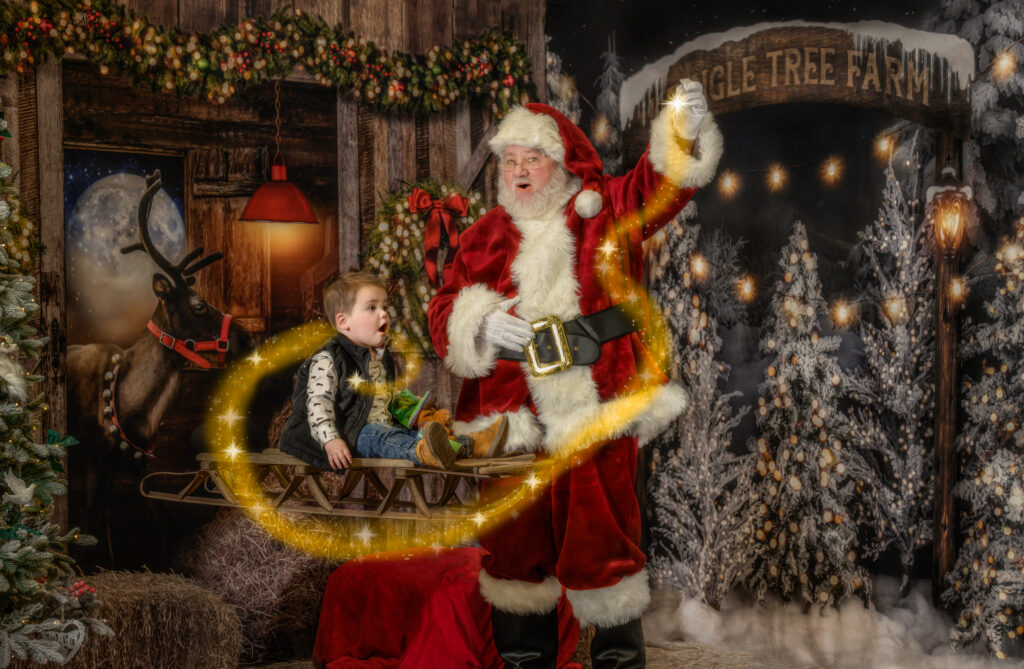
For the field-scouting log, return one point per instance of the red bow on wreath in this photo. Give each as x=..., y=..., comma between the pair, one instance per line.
x=441, y=214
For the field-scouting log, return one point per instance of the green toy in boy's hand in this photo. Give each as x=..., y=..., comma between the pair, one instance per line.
x=405, y=407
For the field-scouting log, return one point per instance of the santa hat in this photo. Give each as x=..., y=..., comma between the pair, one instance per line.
x=538, y=126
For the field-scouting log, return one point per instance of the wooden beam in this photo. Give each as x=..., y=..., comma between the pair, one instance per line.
x=348, y=183
x=52, y=295
x=469, y=170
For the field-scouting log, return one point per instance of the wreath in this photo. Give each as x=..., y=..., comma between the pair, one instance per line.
x=493, y=67
x=412, y=242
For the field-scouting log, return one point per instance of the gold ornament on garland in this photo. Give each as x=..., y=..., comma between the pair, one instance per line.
x=494, y=67
x=413, y=228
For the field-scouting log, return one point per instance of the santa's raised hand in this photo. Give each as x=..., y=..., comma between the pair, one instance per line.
x=689, y=108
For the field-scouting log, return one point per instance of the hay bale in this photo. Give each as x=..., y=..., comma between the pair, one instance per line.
x=276, y=589
x=160, y=620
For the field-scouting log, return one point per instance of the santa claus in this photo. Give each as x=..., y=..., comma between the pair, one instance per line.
x=532, y=273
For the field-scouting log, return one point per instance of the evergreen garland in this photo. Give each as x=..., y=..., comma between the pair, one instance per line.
x=493, y=67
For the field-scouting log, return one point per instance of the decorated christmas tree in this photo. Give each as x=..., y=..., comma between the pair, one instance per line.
x=895, y=388
x=562, y=93
x=987, y=583
x=700, y=491
x=43, y=614
x=994, y=158
x=807, y=477
x=605, y=133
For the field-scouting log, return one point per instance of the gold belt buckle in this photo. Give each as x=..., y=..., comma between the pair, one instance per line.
x=564, y=361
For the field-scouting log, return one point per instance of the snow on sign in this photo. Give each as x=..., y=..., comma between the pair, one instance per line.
x=923, y=77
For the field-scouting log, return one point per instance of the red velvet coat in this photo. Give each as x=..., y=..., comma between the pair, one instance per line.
x=485, y=272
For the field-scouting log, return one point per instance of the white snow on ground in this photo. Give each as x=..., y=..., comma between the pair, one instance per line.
x=958, y=52
x=899, y=633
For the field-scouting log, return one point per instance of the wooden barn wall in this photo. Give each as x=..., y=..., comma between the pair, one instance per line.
x=344, y=157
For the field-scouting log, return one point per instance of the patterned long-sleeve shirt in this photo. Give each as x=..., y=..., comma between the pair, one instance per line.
x=322, y=388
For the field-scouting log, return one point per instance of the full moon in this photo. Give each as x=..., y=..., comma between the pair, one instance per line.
x=111, y=293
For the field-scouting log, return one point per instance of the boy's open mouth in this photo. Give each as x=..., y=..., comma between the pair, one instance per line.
x=383, y=328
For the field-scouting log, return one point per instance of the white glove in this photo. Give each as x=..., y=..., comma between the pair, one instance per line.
x=688, y=108
x=504, y=329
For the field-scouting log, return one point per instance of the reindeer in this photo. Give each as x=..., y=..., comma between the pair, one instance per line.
x=119, y=396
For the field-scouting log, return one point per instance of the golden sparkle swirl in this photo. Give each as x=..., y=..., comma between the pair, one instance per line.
x=340, y=538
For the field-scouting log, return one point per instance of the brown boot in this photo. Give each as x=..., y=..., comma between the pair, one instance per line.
x=433, y=448
x=490, y=441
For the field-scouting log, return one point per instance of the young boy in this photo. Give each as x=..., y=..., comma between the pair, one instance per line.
x=341, y=398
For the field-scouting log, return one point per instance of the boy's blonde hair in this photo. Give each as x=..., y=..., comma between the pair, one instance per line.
x=340, y=292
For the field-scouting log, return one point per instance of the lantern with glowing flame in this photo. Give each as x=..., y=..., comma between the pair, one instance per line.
x=948, y=200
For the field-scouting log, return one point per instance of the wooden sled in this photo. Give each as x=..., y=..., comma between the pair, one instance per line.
x=212, y=485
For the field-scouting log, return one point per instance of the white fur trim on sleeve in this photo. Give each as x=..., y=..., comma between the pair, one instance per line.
x=614, y=605
x=520, y=597
x=524, y=433
x=469, y=356
x=683, y=169
x=522, y=127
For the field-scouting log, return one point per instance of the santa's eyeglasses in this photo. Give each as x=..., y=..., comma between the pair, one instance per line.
x=529, y=164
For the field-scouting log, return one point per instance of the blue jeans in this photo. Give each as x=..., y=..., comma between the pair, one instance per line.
x=386, y=441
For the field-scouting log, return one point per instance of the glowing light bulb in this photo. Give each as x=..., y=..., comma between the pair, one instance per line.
x=728, y=184
x=699, y=266
x=884, y=146
x=776, y=177
x=895, y=308
x=843, y=313
x=601, y=130
x=831, y=170
x=958, y=289
x=1004, y=66
x=745, y=288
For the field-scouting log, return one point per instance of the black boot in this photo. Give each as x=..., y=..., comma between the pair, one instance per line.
x=619, y=647
x=526, y=641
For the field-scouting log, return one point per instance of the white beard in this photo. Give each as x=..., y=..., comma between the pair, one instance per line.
x=545, y=202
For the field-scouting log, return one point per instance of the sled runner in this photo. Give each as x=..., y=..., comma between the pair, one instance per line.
x=302, y=489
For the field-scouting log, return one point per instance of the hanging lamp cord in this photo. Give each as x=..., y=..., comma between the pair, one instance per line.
x=277, y=120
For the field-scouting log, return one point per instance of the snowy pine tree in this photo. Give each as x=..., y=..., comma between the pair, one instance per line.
x=895, y=386
x=562, y=93
x=43, y=616
x=605, y=131
x=994, y=158
x=807, y=477
x=700, y=491
x=987, y=583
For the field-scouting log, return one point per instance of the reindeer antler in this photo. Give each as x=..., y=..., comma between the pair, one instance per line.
x=180, y=274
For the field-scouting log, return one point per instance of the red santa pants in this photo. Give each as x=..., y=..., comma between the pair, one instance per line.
x=581, y=533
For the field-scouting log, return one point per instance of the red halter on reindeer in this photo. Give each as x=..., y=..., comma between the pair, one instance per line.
x=117, y=397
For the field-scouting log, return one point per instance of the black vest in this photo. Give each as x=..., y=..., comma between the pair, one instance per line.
x=351, y=408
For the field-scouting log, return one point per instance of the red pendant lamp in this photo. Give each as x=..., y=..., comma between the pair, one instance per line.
x=278, y=200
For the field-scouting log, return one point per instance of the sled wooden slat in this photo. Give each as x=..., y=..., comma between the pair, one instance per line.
x=303, y=490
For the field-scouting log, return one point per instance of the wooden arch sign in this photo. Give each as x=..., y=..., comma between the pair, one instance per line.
x=919, y=76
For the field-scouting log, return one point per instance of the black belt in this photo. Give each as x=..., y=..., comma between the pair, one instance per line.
x=584, y=336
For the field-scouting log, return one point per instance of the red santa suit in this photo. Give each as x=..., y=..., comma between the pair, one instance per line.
x=583, y=533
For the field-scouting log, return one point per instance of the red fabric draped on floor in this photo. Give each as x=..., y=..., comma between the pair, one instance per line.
x=424, y=612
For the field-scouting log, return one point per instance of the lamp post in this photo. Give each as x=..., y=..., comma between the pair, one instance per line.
x=947, y=202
